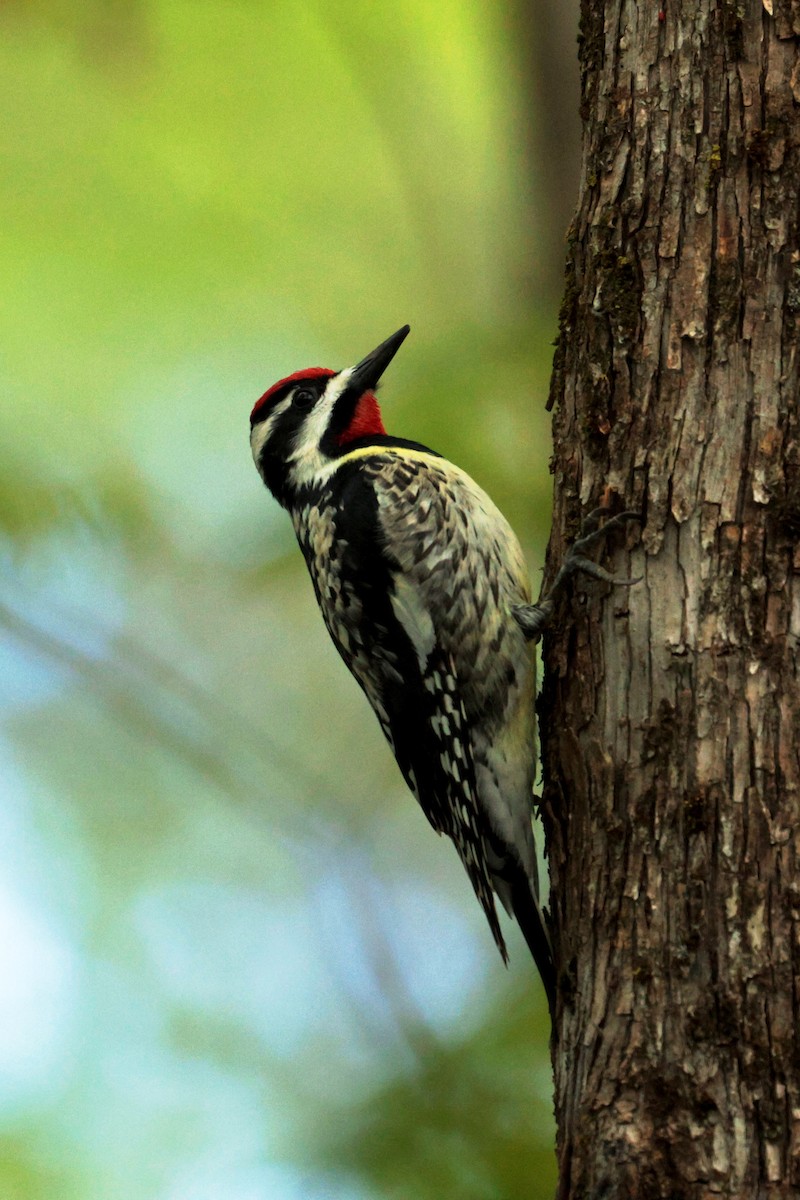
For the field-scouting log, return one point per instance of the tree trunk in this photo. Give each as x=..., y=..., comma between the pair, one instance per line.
x=670, y=711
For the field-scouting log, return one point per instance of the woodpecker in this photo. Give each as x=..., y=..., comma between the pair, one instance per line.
x=423, y=589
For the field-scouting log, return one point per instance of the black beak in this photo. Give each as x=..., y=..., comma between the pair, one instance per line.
x=366, y=374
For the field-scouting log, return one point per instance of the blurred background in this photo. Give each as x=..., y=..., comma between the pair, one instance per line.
x=235, y=963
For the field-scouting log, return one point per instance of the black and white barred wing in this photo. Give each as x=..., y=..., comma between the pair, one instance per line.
x=445, y=787
x=460, y=572
x=452, y=589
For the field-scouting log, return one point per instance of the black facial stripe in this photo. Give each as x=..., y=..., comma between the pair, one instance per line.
x=262, y=413
x=281, y=443
x=311, y=385
x=341, y=417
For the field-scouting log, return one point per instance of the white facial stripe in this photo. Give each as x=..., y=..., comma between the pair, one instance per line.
x=314, y=428
x=307, y=461
x=261, y=433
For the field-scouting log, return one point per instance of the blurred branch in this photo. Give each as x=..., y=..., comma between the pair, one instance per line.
x=367, y=913
x=133, y=670
x=115, y=681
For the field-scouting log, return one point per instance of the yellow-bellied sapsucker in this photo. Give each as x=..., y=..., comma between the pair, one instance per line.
x=424, y=590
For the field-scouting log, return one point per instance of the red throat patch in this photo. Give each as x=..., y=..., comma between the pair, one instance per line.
x=366, y=420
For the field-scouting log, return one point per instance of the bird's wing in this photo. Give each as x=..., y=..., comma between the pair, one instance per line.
x=455, y=571
x=453, y=780
x=423, y=548
x=455, y=556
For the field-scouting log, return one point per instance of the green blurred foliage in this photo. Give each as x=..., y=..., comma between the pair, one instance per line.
x=238, y=963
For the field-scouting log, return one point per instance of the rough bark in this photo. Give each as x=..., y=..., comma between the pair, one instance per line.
x=671, y=712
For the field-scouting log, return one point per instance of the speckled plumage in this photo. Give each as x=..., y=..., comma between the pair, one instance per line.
x=425, y=522
x=416, y=573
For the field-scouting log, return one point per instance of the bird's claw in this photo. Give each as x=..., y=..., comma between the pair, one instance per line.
x=592, y=532
x=533, y=618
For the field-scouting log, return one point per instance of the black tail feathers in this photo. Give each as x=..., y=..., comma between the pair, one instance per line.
x=530, y=918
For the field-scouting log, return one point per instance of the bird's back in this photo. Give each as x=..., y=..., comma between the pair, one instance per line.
x=433, y=554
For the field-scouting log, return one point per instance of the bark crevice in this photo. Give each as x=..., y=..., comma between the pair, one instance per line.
x=670, y=714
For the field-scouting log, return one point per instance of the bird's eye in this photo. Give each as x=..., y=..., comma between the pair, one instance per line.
x=303, y=398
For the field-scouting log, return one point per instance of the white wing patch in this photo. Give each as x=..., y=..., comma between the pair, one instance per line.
x=412, y=613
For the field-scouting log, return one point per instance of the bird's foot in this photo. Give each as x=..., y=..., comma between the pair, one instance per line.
x=533, y=618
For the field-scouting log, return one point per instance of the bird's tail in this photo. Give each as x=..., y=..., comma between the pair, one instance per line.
x=518, y=891
x=529, y=916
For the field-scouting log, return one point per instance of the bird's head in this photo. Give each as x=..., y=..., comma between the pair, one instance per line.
x=303, y=423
